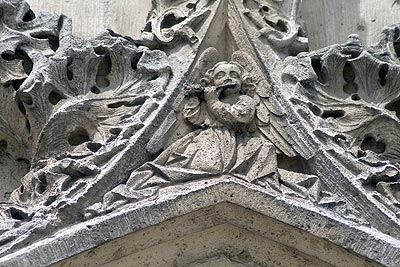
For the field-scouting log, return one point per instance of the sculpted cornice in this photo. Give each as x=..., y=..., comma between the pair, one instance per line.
x=215, y=94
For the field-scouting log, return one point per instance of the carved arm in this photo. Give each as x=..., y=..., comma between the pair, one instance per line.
x=241, y=111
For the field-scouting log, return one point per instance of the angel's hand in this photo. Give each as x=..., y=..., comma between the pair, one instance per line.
x=191, y=89
x=211, y=93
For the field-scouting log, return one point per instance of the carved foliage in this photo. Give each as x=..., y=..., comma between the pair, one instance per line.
x=171, y=21
x=351, y=101
x=69, y=106
x=83, y=115
x=281, y=30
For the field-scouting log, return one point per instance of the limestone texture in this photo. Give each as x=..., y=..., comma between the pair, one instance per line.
x=216, y=139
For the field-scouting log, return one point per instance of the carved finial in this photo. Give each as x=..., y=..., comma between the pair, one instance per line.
x=353, y=39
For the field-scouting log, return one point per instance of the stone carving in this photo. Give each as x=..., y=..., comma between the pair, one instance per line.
x=204, y=101
x=101, y=108
x=236, y=133
x=225, y=109
x=168, y=23
x=282, y=32
x=353, y=99
x=69, y=107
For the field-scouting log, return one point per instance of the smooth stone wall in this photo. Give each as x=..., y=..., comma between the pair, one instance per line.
x=331, y=21
x=89, y=17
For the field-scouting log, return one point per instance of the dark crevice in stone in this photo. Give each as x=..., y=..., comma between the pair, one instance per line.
x=294, y=164
x=265, y=8
x=78, y=136
x=26, y=98
x=170, y=20
x=16, y=84
x=20, y=54
x=41, y=185
x=50, y=200
x=147, y=27
x=28, y=126
x=355, y=97
x=115, y=131
x=349, y=76
x=396, y=46
x=396, y=42
x=396, y=35
x=370, y=143
x=383, y=71
x=315, y=109
x=332, y=114
x=29, y=16
x=3, y=145
x=103, y=70
x=17, y=214
x=7, y=56
x=94, y=147
x=361, y=154
x=22, y=160
x=135, y=60
x=20, y=105
x=394, y=106
x=135, y=102
x=301, y=32
x=55, y=97
x=280, y=25
x=348, y=73
x=152, y=77
x=101, y=51
x=27, y=62
x=316, y=64
x=70, y=73
x=54, y=41
x=60, y=23
x=191, y=6
x=95, y=90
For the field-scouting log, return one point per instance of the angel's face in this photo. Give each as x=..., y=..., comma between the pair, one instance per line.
x=228, y=73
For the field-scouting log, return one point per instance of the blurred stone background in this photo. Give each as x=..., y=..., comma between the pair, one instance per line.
x=331, y=21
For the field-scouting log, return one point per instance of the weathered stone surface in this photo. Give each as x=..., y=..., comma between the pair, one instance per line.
x=330, y=22
x=218, y=102
x=334, y=22
x=247, y=232
x=90, y=17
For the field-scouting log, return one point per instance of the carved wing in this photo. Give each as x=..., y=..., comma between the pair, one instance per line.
x=270, y=120
x=270, y=116
x=207, y=60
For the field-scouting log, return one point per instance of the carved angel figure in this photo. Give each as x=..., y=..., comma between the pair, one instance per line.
x=237, y=129
x=224, y=109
